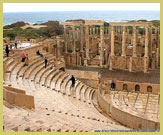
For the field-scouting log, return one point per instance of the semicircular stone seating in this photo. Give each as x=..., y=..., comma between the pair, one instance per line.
x=146, y=105
x=58, y=106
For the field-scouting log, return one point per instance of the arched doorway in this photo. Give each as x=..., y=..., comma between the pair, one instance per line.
x=149, y=89
x=125, y=87
x=112, y=86
x=137, y=88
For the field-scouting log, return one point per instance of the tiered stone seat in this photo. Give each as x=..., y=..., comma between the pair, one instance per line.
x=137, y=103
x=53, y=111
x=37, y=69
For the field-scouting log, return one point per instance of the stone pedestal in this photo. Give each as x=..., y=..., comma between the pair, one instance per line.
x=85, y=62
x=51, y=48
x=153, y=64
x=111, y=63
x=74, y=59
x=146, y=64
x=130, y=65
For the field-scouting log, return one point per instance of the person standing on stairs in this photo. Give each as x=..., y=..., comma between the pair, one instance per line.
x=26, y=60
x=73, y=81
x=7, y=50
x=73, y=84
x=15, y=44
x=23, y=56
x=46, y=61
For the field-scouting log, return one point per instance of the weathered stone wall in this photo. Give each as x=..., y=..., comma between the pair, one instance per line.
x=18, y=98
x=131, y=86
x=132, y=120
x=90, y=78
x=137, y=63
x=30, y=50
x=126, y=115
x=103, y=103
x=119, y=62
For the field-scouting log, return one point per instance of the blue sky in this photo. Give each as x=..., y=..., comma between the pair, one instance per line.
x=36, y=7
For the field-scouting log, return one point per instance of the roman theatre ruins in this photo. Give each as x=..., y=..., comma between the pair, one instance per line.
x=117, y=72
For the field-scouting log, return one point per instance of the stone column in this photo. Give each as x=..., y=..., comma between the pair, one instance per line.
x=81, y=38
x=74, y=42
x=146, y=41
x=96, y=30
x=112, y=40
x=112, y=48
x=124, y=41
x=134, y=42
x=51, y=51
x=65, y=38
x=102, y=45
x=157, y=57
x=158, y=37
x=57, y=47
x=146, y=58
x=87, y=41
x=93, y=30
x=90, y=30
x=150, y=42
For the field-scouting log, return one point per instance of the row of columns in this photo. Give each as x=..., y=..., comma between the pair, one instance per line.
x=146, y=55
x=134, y=41
x=112, y=33
x=87, y=35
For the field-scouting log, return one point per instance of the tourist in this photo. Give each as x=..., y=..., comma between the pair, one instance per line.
x=15, y=44
x=112, y=85
x=10, y=46
x=37, y=52
x=23, y=56
x=26, y=60
x=46, y=61
x=73, y=81
x=7, y=50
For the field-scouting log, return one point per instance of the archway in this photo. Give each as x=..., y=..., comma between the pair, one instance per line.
x=125, y=87
x=113, y=86
x=137, y=88
x=149, y=89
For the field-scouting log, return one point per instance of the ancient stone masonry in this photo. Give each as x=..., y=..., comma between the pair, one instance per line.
x=119, y=46
x=116, y=67
x=133, y=63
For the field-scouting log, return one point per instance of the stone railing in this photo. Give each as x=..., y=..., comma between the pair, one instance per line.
x=30, y=50
x=105, y=105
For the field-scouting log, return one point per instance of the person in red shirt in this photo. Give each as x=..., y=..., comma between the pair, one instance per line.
x=23, y=56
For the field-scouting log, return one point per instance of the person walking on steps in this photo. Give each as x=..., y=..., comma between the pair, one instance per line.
x=46, y=61
x=73, y=84
x=7, y=50
x=26, y=60
x=73, y=81
x=23, y=56
x=15, y=44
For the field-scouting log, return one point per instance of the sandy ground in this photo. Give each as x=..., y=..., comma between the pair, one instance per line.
x=33, y=26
